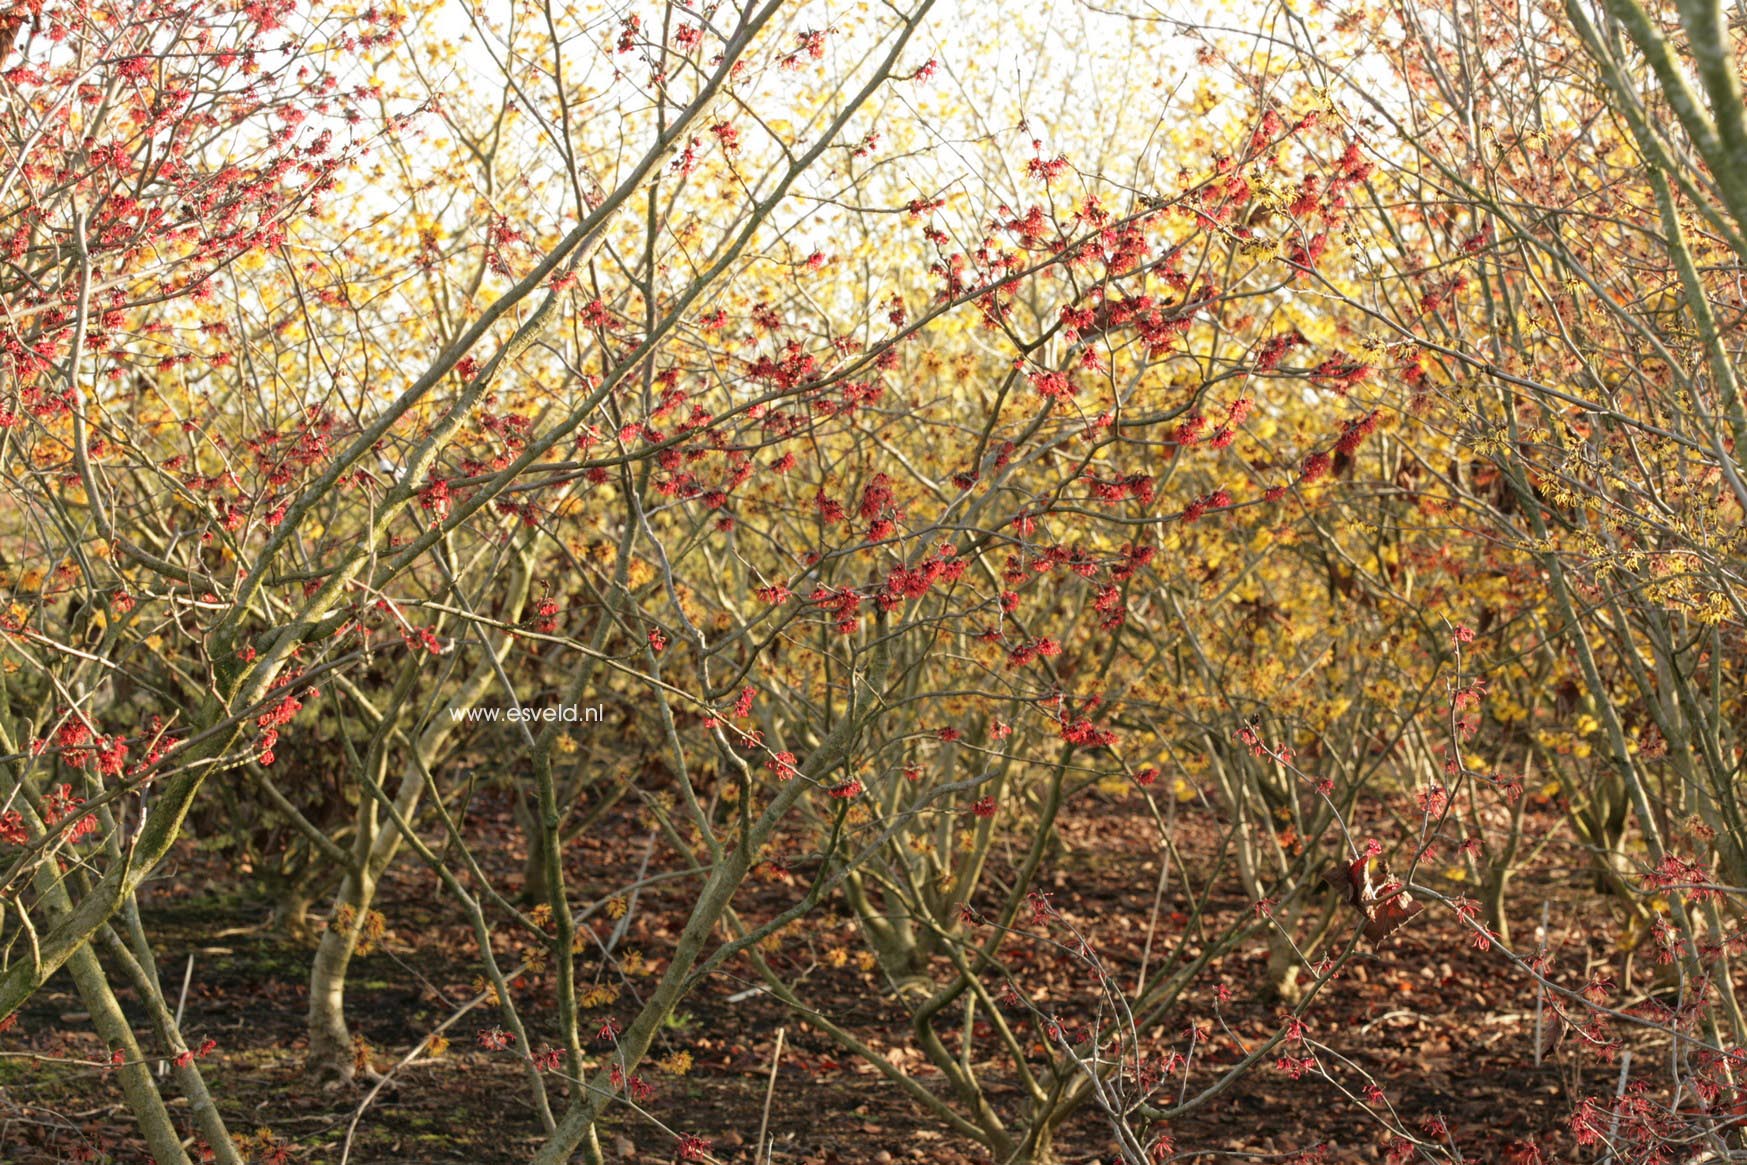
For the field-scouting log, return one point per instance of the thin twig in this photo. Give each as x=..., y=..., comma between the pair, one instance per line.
x=1613, y=1127
x=1540, y=989
x=181, y=1001
x=761, y=1150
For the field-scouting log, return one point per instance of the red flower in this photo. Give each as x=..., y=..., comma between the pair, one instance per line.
x=495, y=1039
x=435, y=498
x=1048, y=170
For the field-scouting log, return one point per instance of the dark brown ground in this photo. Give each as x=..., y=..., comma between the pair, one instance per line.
x=1445, y=1029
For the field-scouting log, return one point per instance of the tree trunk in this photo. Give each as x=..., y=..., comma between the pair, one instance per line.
x=534, y=866
x=379, y=838
x=330, y=1058
x=1284, y=965
x=1038, y=1147
x=138, y=1087
x=1492, y=894
x=291, y=913
x=141, y=970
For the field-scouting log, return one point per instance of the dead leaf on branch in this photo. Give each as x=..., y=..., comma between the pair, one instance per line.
x=1375, y=893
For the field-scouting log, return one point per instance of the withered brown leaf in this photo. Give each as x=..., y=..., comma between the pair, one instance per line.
x=1376, y=894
